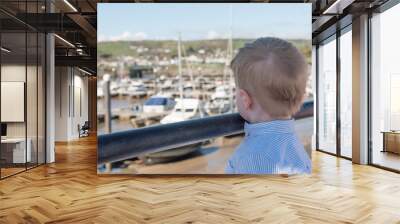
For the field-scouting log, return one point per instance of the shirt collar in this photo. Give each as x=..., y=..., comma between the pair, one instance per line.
x=275, y=126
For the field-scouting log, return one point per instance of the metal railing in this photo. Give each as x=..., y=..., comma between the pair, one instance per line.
x=129, y=144
x=124, y=145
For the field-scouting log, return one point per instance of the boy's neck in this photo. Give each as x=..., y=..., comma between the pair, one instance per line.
x=264, y=117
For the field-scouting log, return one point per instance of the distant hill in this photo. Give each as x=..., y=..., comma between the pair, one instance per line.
x=159, y=47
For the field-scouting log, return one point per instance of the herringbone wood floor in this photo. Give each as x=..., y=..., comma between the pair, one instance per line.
x=69, y=191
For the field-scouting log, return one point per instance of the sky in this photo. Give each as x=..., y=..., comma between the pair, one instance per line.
x=162, y=21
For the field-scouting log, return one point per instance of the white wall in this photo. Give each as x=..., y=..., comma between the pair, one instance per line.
x=62, y=80
x=71, y=94
x=80, y=109
x=14, y=73
x=33, y=126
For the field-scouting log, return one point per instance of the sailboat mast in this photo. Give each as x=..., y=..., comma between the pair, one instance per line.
x=188, y=65
x=180, y=68
x=230, y=55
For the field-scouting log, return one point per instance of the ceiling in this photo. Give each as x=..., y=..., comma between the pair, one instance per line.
x=74, y=22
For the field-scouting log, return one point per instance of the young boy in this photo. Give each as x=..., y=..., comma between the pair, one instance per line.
x=271, y=76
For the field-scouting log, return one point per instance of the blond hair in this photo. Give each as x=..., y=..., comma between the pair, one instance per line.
x=274, y=72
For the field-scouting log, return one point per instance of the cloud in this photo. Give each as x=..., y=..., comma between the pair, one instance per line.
x=124, y=36
x=212, y=35
x=140, y=35
x=102, y=38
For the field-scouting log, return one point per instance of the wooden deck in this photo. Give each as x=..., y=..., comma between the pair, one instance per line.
x=70, y=191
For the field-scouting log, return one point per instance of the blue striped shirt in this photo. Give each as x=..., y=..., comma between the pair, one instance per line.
x=269, y=148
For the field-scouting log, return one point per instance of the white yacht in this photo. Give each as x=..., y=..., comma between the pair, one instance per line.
x=136, y=88
x=167, y=84
x=222, y=101
x=123, y=85
x=159, y=104
x=223, y=91
x=185, y=109
x=131, y=88
x=114, y=88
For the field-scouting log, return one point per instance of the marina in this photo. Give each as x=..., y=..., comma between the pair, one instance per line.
x=147, y=93
x=164, y=82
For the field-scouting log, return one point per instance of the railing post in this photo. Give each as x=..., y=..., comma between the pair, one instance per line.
x=107, y=106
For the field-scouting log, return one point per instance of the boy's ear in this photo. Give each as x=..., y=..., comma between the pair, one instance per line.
x=246, y=99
